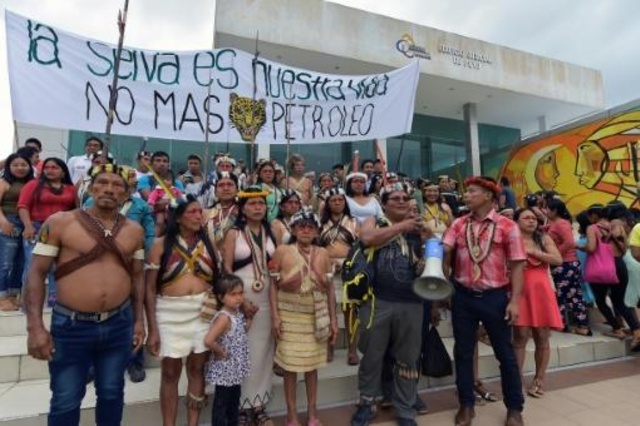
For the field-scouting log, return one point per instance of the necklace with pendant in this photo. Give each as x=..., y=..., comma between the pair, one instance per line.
x=476, y=252
x=258, y=257
x=108, y=232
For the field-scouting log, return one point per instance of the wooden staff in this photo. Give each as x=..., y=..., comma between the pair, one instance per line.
x=286, y=163
x=254, y=67
x=206, y=130
x=355, y=161
x=16, y=141
x=113, y=97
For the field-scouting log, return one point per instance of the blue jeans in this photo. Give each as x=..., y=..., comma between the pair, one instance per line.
x=11, y=259
x=107, y=347
x=467, y=310
x=28, y=256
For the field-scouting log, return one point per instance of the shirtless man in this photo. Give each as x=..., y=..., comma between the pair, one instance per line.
x=97, y=320
x=297, y=181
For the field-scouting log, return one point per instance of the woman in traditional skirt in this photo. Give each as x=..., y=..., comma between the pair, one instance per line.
x=339, y=231
x=247, y=249
x=181, y=267
x=539, y=311
x=303, y=309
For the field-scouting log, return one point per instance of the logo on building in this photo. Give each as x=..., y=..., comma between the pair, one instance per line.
x=408, y=48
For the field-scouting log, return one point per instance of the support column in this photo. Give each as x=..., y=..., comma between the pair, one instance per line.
x=264, y=151
x=472, y=142
x=542, y=124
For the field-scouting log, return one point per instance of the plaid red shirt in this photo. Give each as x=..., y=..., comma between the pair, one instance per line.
x=507, y=246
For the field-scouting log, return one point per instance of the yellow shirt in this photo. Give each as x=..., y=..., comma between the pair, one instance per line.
x=634, y=237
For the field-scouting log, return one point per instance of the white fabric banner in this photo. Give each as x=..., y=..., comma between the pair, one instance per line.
x=61, y=80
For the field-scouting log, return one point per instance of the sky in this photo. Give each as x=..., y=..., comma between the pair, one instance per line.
x=594, y=33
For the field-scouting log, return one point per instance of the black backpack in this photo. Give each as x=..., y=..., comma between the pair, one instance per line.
x=358, y=271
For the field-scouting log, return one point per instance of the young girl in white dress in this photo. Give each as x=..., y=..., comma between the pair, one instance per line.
x=227, y=339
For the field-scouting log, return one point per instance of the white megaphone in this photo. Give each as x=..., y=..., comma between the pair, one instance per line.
x=432, y=284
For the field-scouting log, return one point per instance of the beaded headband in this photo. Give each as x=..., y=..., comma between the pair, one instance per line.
x=304, y=216
x=225, y=159
x=287, y=194
x=356, y=175
x=227, y=175
x=394, y=187
x=334, y=191
x=109, y=168
x=253, y=192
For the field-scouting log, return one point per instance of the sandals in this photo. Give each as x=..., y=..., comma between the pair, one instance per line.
x=617, y=334
x=536, y=390
x=6, y=305
x=244, y=418
x=260, y=418
x=483, y=393
x=582, y=331
x=353, y=359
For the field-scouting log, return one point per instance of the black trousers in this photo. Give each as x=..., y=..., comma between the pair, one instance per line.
x=226, y=406
x=616, y=294
x=467, y=310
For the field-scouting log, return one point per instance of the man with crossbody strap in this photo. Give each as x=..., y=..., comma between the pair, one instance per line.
x=98, y=318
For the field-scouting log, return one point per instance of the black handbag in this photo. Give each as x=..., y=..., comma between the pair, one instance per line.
x=436, y=361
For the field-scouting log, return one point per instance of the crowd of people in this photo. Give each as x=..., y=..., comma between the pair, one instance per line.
x=234, y=273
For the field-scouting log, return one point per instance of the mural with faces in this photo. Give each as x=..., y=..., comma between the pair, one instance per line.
x=591, y=163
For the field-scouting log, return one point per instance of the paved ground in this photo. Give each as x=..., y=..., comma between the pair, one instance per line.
x=600, y=395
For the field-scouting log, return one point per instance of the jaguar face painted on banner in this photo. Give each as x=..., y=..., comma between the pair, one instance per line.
x=247, y=115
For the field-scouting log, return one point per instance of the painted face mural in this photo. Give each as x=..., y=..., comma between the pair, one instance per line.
x=593, y=163
x=590, y=164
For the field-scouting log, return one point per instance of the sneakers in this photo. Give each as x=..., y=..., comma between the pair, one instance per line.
x=420, y=406
x=363, y=415
x=406, y=422
x=136, y=372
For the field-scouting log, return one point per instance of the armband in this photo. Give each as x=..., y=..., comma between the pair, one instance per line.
x=138, y=254
x=44, y=249
x=151, y=266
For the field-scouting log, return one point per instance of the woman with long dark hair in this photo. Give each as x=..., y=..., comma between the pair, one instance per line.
x=18, y=171
x=266, y=180
x=290, y=204
x=51, y=193
x=181, y=268
x=538, y=309
x=361, y=204
x=339, y=230
x=568, y=275
x=609, y=229
x=247, y=250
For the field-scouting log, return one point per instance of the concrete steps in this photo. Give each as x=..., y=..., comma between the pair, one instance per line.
x=24, y=388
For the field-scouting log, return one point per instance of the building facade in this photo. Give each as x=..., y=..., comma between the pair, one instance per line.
x=475, y=100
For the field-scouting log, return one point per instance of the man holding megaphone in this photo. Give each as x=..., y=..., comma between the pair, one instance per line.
x=393, y=317
x=488, y=275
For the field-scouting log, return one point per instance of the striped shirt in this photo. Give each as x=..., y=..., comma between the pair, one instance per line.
x=507, y=246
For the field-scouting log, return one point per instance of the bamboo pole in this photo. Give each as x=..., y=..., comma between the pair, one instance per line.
x=113, y=97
